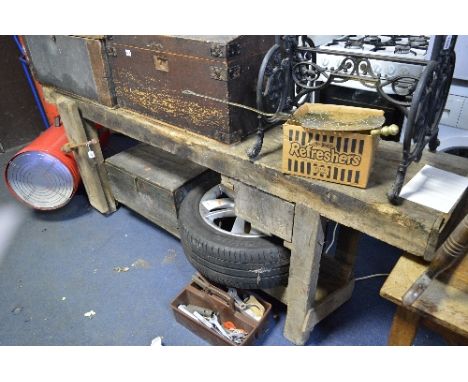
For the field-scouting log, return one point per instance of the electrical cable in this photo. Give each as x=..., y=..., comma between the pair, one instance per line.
x=357, y=278
x=333, y=239
x=32, y=86
x=371, y=276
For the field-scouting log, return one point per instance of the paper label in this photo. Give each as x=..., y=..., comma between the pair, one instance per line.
x=447, y=42
x=435, y=188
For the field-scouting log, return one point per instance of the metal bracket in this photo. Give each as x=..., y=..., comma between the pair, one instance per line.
x=111, y=51
x=68, y=147
x=219, y=50
x=234, y=72
x=156, y=46
x=161, y=63
x=233, y=50
x=221, y=74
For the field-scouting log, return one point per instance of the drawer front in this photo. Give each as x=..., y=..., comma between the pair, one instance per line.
x=149, y=200
x=265, y=212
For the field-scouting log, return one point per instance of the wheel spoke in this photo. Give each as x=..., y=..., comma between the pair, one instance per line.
x=213, y=204
x=217, y=208
x=239, y=226
x=219, y=214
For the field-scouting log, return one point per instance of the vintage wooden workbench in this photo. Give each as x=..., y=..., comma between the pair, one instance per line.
x=292, y=208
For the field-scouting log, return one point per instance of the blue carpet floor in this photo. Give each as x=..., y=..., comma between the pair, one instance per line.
x=61, y=265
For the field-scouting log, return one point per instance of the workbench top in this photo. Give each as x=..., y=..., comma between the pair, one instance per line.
x=411, y=227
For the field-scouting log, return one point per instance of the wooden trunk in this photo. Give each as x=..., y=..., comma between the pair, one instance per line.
x=151, y=72
x=153, y=182
x=76, y=65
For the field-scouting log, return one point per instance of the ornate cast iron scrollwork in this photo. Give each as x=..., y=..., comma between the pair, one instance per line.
x=290, y=74
x=425, y=111
x=276, y=92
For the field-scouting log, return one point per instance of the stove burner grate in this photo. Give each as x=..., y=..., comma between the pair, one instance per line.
x=354, y=43
x=402, y=43
x=403, y=49
x=372, y=40
x=336, y=41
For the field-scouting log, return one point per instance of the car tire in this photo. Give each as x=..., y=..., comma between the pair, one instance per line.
x=240, y=262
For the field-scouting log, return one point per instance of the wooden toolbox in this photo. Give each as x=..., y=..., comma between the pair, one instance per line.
x=151, y=72
x=193, y=294
x=73, y=64
x=153, y=182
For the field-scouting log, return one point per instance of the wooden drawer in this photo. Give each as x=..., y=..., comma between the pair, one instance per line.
x=153, y=182
x=265, y=212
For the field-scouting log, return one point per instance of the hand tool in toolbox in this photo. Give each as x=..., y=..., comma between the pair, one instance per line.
x=223, y=314
x=211, y=321
x=231, y=296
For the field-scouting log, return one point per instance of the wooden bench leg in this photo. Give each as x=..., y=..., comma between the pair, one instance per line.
x=404, y=327
x=92, y=133
x=92, y=171
x=346, y=251
x=306, y=251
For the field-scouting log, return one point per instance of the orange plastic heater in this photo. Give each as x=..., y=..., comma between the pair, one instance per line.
x=41, y=174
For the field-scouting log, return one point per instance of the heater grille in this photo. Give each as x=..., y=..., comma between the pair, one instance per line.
x=40, y=180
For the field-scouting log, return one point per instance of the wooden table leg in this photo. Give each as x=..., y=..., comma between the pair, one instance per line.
x=346, y=251
x=306, y=251
x=404, y=327
x=92, y=133
x=92, y=171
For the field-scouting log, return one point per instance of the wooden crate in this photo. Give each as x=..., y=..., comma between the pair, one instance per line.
x=153, y=182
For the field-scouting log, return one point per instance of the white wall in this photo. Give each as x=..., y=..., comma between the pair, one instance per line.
x=461, y=67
